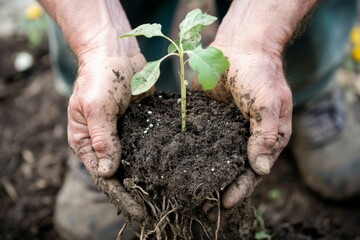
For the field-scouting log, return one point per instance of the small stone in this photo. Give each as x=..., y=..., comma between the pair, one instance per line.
x=184, y=171
x=212, y=169
x=160, y=96
x=41, y=184
x=149, y=112
x=139, y=104
x=162, y=177
x=23, y=61
x=147, y=120
x=151, y=125
x=228, y=162
x=145, y=132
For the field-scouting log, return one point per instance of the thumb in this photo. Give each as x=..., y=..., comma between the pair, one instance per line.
x=270, y=132
x=106, y=144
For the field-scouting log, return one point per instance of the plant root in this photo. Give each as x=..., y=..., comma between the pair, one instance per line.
x=219, y=216
x=119, y=236
x=169, y=221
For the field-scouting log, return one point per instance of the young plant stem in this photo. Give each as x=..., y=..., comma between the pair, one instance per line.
x=183, y=92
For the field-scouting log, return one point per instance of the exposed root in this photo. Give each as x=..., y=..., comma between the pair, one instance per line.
x=203, y=227
x=142, y=233
x=218, y=217
x=179, y=225
x=158, y=225
x=119, y=236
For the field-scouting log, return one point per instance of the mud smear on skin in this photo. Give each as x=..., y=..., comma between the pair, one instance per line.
x=172, y=173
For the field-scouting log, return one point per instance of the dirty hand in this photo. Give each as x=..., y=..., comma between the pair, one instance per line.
x=256, y=82
x=101, y=94
x=253, y=35
x=102, y=89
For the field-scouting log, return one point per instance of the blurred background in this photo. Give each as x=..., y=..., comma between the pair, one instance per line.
x=33, y=146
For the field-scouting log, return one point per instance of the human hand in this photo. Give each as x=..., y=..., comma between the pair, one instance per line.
x=255, y=82
x=258, y=87
x=253, y=35
x=101, y=94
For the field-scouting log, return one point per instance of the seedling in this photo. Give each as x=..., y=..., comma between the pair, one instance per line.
x=207, y=63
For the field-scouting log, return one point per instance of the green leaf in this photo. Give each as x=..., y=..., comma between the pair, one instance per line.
x=193, y=19
x=262, y=235
x=209, y=64
x=146, y=78
x=148, y=30
x=192, y=38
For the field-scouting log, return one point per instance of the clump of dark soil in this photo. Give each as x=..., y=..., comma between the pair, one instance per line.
x=169, y=170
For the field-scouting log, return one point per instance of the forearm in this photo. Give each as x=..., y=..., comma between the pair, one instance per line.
x=262, y=24
x=92, y=24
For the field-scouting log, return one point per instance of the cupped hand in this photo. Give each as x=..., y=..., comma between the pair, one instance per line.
x=255, y=82
x=101, y=94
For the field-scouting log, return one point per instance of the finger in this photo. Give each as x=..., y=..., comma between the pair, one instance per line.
x=80, y=142
x=79, y=139
x=270, y=126
x=105, y=143
x=240, y=189
x=92, y=127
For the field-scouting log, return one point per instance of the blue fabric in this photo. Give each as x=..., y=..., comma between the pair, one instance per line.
x=313, y=59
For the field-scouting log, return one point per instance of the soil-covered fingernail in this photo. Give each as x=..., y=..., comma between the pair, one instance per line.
x=105, y=167
x=262, y=165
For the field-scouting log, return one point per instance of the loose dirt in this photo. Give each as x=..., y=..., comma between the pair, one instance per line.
x=168, y=170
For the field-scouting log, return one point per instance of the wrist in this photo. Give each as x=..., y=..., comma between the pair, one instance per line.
x=107, y=45
x=262, y=26
x=92, y=26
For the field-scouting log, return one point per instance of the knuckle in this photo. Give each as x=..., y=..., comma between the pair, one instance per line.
x=267, y=139
x=104, y=142
x=81, y=148
x=99, y=144
x=89, y=104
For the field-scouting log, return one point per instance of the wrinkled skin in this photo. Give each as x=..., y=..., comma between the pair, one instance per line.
x=102, y=89
x=252, y=35
x=93, y=111
x=93, y=116
x=256, y=83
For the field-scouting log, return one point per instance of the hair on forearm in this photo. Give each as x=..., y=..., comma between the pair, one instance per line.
x=302, y=26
